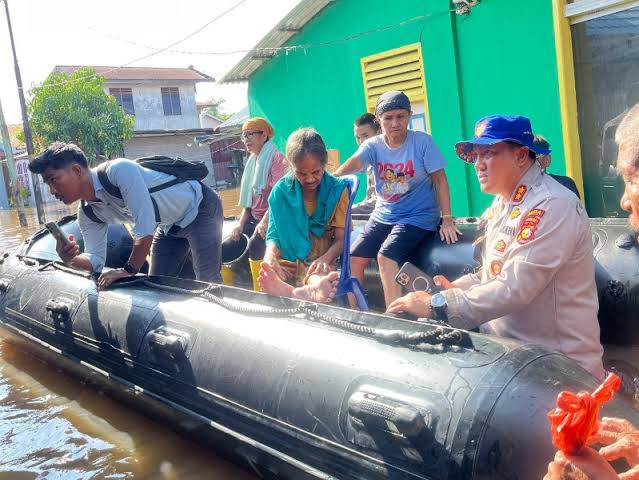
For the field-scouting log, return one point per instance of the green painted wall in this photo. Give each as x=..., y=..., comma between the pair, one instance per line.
x=499, y=59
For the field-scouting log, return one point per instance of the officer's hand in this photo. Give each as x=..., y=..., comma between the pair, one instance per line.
x=443, y=282
x=588, y=465
x=67, y=251
x=415, y=303
x=448, y=231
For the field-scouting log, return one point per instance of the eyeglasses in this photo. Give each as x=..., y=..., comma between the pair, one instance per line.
x=246, y=135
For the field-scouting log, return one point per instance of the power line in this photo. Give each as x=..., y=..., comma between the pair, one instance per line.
x=287, y=48
x=157, y=52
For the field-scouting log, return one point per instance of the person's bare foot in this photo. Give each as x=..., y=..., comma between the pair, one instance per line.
x=320, y=291
x=271, y=283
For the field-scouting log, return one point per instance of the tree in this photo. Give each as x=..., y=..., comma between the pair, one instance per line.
x=74, y=108
x=216, y=109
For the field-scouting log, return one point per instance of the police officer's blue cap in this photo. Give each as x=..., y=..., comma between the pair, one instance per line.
x=500, y=128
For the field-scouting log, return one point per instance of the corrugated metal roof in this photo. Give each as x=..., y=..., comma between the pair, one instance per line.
x=265, y=49
x=141, y=73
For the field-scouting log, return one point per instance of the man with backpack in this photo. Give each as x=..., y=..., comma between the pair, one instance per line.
x=170, y=211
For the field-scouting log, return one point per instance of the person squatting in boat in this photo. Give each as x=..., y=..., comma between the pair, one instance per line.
x=306, y=225
x=412, y=191
x=186, y=215
x=537, y=280
x=264, y=167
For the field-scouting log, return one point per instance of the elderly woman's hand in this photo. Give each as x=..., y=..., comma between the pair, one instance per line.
x=448, y=231
x=279, y=270
x=321, y=266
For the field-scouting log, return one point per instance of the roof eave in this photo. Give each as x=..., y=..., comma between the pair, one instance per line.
x=269, y=45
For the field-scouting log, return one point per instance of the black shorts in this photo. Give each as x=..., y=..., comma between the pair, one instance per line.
x=396, y=242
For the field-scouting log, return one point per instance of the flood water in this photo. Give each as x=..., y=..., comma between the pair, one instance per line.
x=54, y=427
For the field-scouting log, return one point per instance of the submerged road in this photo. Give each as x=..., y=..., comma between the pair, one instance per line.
x=54, y=427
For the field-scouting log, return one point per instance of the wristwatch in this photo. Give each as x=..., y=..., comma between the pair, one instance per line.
x=128, y=268
x=439, y=306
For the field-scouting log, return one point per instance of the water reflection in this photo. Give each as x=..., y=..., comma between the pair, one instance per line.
x=52, y=426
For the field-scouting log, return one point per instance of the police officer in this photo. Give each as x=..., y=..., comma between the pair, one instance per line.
x=537, y=280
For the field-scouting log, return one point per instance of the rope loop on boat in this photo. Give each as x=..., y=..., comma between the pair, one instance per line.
x=213, y=293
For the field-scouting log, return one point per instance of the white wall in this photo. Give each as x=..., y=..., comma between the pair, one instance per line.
x=172, y=146
x=149, y=113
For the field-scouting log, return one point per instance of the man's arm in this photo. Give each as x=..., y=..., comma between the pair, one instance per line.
x=529, y=265
x=95, y=244
x=127, y=176
x=448, y=231
x=352, y=165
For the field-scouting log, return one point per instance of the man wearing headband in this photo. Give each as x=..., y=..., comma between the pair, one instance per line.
x=412, y=193
x=263, y=169
x=537, y=280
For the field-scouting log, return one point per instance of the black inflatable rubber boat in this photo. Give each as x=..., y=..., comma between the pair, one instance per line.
x=292, y=389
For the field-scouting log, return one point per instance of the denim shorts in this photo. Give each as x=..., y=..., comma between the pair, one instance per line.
x=397, y=242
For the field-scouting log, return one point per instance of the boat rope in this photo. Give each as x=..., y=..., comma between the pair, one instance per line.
x=437, y=336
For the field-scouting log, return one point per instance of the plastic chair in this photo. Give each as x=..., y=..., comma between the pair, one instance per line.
x=347, y=283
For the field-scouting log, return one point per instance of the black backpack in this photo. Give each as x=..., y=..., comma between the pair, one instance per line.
x=182, y=170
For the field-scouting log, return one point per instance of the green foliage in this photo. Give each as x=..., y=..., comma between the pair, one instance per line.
x=20, y=135
x=75, y=108
x=216, y=109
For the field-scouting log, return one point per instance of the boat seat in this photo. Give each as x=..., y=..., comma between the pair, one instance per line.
x=347, y=283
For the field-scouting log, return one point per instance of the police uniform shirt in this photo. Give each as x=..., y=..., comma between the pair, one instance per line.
x=537, y=281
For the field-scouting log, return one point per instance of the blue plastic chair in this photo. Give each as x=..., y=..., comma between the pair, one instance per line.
x=347, y=283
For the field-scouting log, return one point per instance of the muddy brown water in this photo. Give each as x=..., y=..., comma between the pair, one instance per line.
x=54, y=427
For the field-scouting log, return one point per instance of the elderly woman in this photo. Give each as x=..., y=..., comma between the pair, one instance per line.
x=306, y=226
x=265, y=166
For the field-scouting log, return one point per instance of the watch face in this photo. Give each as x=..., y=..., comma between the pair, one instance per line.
x=438, y=300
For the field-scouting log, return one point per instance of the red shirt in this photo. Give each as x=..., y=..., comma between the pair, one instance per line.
x=259, y=206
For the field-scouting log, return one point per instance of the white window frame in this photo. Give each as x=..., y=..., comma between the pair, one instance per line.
x=583, y=10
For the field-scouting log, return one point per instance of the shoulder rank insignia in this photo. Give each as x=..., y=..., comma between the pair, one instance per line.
x=500, y=246
x=529, y=225
x=520, y=193
x=495, y=267
x=515, y=213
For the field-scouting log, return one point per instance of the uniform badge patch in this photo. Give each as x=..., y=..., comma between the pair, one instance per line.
x=529, y=225
x=515, y=213
x=520, y=193
x=495, y=267
x=500, y=246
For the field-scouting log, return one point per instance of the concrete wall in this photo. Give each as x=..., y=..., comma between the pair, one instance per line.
x=172, y=146
x=149, y=113
x=476, y=65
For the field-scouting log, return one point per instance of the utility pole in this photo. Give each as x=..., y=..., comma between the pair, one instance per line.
x=28, y=137
x=8, y=151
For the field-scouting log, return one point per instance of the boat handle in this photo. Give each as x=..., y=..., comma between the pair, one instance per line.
x=407, y=419
x=4, y=285
x=61, y=309
x=174, y=344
